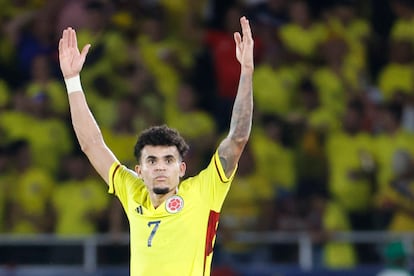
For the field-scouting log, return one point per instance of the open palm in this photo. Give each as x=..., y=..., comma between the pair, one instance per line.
x=71, y=60
x=244, y=45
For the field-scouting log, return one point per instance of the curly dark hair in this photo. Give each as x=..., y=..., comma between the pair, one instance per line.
x=160, y=136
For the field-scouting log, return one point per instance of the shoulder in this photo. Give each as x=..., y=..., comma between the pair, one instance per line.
x=214, y=172
x=121, y=177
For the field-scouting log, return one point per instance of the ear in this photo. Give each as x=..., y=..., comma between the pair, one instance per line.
x=183, y=167
x=138, y=170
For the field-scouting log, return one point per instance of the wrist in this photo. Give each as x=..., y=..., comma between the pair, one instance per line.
x=247, y=70
x=73, y=84
x=246, y=73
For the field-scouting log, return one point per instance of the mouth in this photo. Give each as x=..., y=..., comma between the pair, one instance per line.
x=161, y=178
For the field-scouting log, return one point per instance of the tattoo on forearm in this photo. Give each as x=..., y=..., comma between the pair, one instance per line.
x=240, y=125
x=242, y=110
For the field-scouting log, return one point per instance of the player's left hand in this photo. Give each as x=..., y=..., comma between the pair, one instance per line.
x=244, y=45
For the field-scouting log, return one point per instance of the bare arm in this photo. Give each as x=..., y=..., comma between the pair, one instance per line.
x=231, y=148
x=84, y=124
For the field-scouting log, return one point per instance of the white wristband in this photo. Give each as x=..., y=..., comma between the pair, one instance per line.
x=73, y=84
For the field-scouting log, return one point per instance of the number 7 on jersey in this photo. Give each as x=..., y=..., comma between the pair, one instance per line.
x=155, y=224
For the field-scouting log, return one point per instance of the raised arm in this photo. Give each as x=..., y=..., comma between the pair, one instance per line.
x=231, y=148
x=86, y=129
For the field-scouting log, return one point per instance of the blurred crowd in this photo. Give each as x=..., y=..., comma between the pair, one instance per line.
x=332, y=141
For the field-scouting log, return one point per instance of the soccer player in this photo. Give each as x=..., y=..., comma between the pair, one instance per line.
x=172, y=222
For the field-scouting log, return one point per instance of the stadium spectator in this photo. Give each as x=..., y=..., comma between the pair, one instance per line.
x=395, y=80
x=390, y=139
x=323, y=218
x=335, y=80
x=303, y=33
x=351, y=167
x=313, y=123
x=79, y=202
x=42, y=80
x=30, y=195
x=402, y=26
x=276, y=80
x=195, y=124
x=346, y=21
x=123, y=130
x=56, y=140
x=273, y=152
x=396, y=258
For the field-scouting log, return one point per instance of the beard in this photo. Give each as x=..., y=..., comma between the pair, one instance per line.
x=160, y=191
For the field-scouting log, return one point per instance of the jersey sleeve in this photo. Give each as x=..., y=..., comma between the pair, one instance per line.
x=214, y=184
x=115, y=166
x=123, y=183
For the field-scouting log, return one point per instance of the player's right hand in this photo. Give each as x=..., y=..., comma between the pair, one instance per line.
x=70, y=59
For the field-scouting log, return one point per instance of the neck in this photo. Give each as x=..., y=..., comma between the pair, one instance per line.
x=157, y=199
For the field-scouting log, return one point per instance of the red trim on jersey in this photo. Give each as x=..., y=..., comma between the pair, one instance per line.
x=211, y=234
x=113, y=177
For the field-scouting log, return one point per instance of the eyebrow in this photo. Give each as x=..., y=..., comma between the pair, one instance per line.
x=162, y=157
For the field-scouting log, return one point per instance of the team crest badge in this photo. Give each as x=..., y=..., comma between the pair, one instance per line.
x=174, y=204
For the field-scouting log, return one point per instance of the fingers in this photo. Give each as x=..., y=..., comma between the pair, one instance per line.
x=85, y=51
x=74, y=40
x=69, y=41
x=60, y=45
x=237, y=38
x=71, y=37
x=68, y=38
x=64, y=42
x=246, y=30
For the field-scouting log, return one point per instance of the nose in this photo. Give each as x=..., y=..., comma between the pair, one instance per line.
x=160, y=166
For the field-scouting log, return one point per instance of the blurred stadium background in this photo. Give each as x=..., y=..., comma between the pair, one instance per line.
x=325, y=186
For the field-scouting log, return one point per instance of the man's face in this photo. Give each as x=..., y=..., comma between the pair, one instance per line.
x=160, y=168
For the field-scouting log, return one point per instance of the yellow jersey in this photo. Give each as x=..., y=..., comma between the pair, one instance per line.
x=177, y=238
